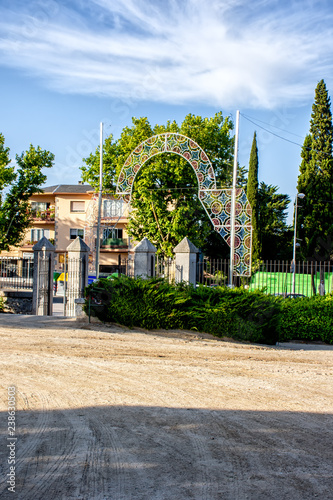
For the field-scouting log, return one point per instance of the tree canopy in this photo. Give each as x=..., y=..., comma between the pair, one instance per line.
x=16, y=187
x=315, y=216
x=252, y=196
x=165, y=205
x=275, y=236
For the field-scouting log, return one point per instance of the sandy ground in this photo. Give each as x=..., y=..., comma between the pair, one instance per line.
x=112, y=413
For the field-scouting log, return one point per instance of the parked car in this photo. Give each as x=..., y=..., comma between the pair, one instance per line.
x=294, y=295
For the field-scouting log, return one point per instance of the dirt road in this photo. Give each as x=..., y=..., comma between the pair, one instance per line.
x=120, y=414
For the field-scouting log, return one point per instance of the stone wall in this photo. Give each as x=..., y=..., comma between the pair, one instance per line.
x=17, y=302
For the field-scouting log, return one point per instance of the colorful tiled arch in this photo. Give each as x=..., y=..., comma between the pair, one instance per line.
x=216, y=201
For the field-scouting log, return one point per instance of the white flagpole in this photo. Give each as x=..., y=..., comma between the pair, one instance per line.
x=99, y=200
x=233, y=206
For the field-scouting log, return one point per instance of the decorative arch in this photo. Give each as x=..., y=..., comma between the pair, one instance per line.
x=216, y=201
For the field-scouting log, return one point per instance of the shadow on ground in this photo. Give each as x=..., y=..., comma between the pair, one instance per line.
x=138, y=452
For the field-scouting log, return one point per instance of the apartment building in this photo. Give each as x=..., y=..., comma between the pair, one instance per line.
x=63, y=212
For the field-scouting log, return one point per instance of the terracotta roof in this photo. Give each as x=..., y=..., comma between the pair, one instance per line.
x=68, y=188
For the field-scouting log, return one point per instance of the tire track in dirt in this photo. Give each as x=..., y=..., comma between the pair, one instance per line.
x=209, y=486
x=26, y=446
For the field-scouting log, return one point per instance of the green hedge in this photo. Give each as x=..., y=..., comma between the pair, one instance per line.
x=237, y=313
x=307, y=319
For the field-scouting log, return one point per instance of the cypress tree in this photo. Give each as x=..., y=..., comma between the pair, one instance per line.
x=252, y=195
x=315, y=217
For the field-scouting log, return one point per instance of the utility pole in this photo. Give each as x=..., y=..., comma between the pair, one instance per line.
x=233, y=207
x=99, y=200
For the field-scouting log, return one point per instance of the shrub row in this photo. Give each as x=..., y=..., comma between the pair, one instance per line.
x=224, y=312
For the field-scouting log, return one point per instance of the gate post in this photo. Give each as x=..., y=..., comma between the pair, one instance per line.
x=78, y=252
x=144, y=259
x=42, y=295
x=186, y=261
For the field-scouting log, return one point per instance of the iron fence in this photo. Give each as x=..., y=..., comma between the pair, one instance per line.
x=273, y=277
x=278, y=277
x=16, y=273
x=165, y=268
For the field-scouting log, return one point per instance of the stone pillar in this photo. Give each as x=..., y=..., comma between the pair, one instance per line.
x=186, y=262
x=144, y=259
x=78, y=253
x=42, y=296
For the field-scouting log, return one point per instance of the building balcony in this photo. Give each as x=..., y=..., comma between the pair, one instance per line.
x=29, y=244
x=44, y=216
x=114, y=243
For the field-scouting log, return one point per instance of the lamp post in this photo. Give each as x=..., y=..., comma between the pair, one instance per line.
x=300, y=196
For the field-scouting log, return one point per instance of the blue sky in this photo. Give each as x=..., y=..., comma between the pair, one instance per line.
x=65, y=66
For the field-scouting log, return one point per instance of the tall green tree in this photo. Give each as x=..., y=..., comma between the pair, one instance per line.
x=275, y=236
x=252, y=195
x=165, y=205
x=16, y=187
x=315, y=217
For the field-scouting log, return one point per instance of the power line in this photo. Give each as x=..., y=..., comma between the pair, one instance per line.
x=270, y=125
x=328, y=155
x=269, y=131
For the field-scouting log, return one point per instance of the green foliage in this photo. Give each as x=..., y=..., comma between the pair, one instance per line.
x=253, y=195
x=165, y=206
x=7, y=174
x=2, y=304
x=307, y=319
x=223, y=312
x=156, y=304
x=15, y=213
x=315, y=216
x=274, y=234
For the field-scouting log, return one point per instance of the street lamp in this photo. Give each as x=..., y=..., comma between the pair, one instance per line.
x=300, y=196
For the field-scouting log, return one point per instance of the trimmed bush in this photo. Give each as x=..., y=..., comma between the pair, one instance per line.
x=307, y=319
x=152, y=304
x=235, y=313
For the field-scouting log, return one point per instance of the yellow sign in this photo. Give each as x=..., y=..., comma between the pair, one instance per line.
x=62, y=277
x=61, y=258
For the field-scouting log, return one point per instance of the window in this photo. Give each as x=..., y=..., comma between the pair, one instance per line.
x=77, y=206
x=113, y=208
x=39, y=206
x=37, y=234
x=73, y=233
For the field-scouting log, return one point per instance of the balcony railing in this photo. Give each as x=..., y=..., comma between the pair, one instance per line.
x=44, y=215
x=114, y=243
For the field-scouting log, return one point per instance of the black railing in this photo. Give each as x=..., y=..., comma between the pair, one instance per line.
x=16, y=273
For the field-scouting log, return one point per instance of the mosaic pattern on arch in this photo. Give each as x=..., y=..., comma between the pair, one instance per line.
x=217, y=204
x=216, y=201
x=167, y=143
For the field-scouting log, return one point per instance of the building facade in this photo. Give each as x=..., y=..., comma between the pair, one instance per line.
x=63, y=212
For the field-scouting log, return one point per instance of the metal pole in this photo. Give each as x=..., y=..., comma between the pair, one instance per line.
x=294, y=245
x=301, y=196
x=99, y=199
x=233, y=206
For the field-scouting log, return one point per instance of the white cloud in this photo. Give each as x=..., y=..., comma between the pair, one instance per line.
x=226, y=53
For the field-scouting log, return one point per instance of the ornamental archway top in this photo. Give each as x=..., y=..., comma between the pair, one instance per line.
x=166, y=143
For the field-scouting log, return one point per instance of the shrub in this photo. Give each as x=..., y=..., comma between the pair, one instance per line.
x=154, y=303
x=307, y=319
x=237, y=313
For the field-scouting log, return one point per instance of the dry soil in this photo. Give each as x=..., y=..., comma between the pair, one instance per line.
x=112, y=413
